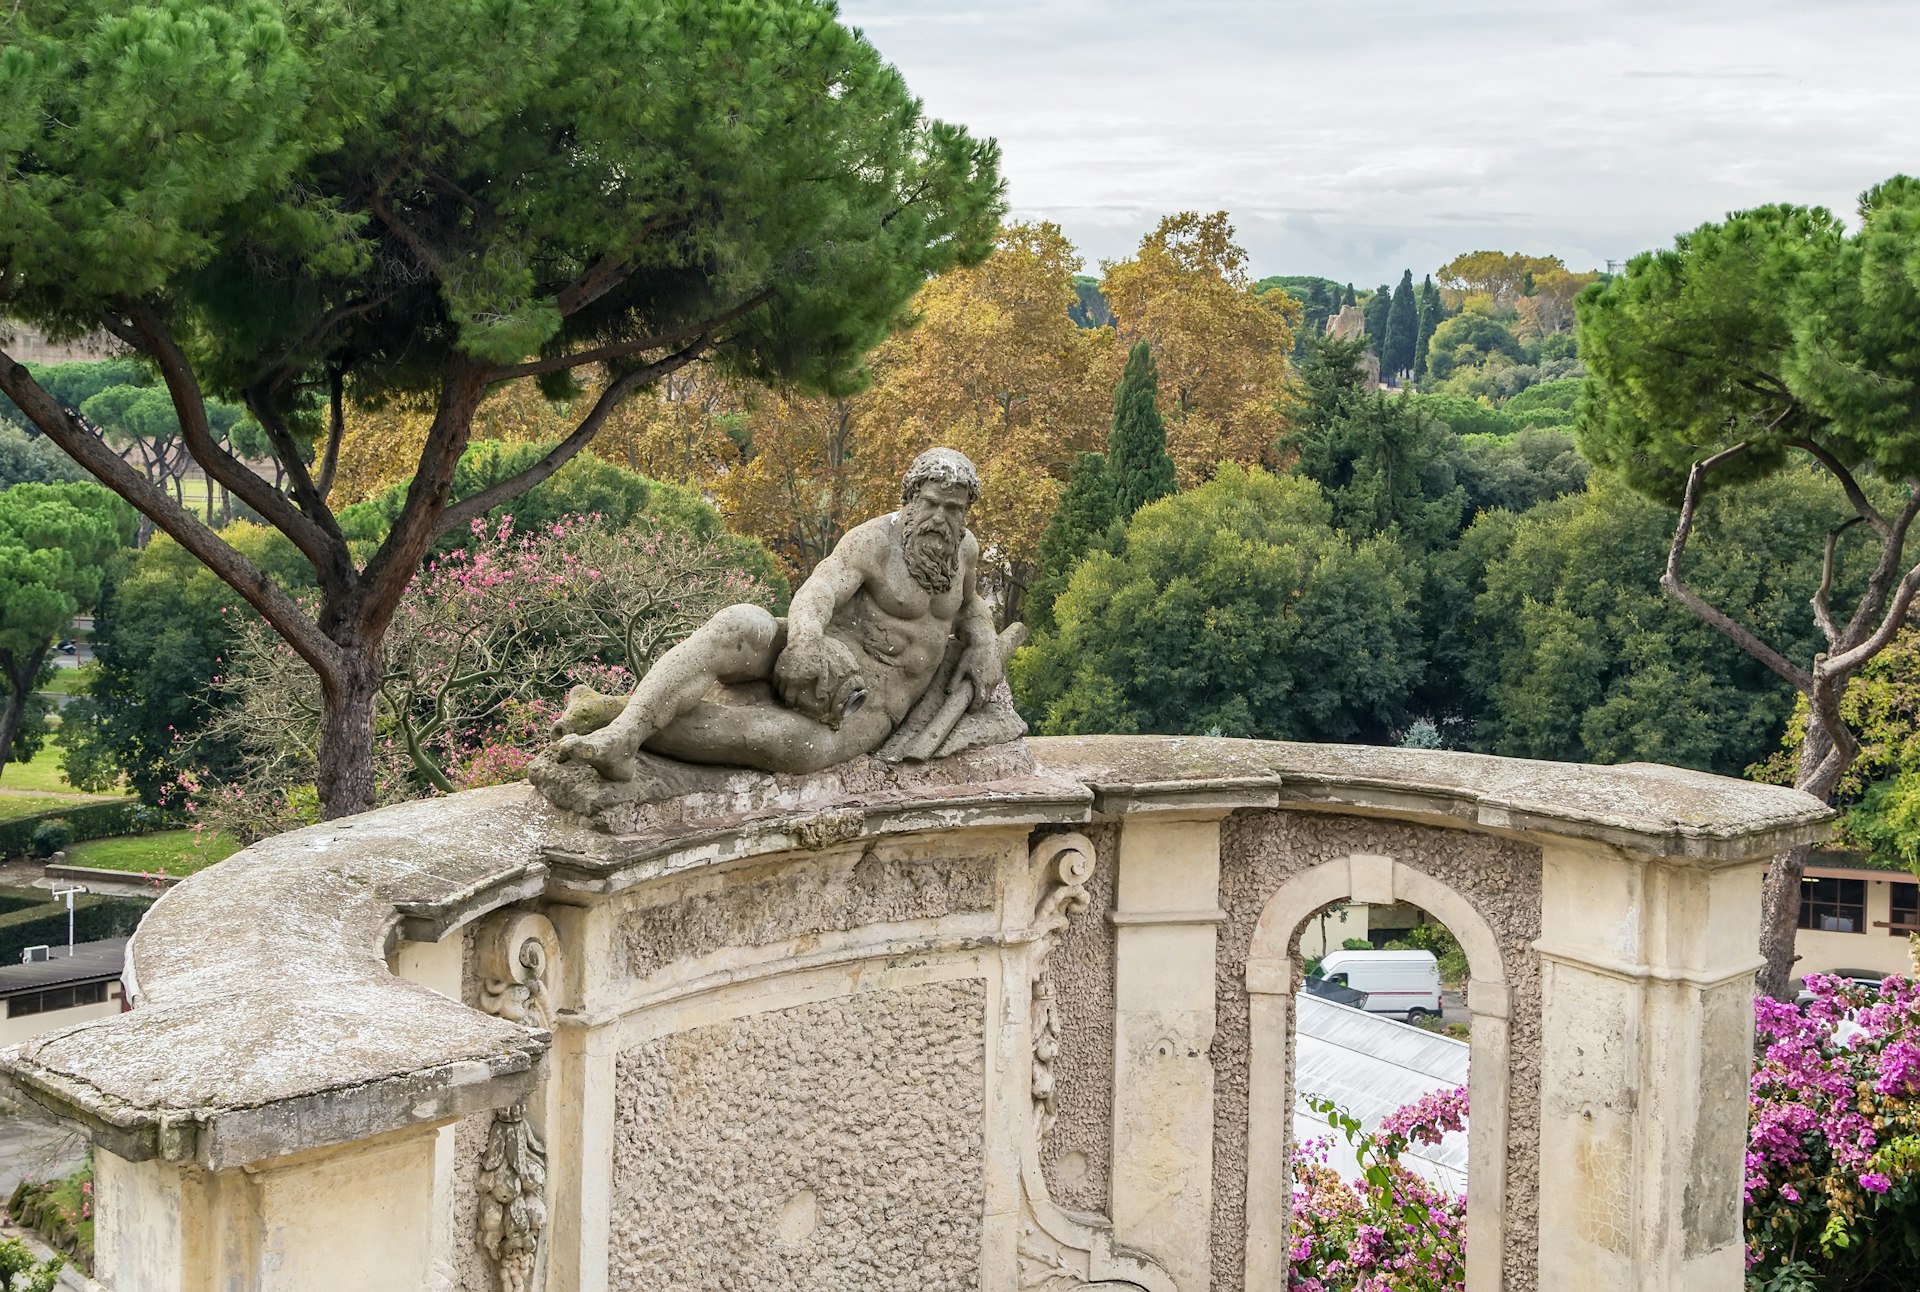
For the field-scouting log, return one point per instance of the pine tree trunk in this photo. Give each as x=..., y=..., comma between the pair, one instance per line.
x=21, y=673
x=344, y=759
x=1780, y=897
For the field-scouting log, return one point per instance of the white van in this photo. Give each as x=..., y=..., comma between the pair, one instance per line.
x=1396, y=982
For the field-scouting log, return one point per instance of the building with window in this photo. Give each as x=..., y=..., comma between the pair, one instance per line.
x=1854, y=915
x=65, y=988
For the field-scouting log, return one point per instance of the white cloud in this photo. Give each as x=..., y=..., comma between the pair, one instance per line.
x=1358, y=138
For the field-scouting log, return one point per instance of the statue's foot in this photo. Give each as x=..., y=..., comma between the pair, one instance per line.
x=610, y=757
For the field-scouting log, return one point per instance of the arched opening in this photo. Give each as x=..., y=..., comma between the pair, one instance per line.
x=1270, y=977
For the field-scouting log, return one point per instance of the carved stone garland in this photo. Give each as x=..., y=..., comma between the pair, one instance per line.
x=1060, y=1252
x=515, y=951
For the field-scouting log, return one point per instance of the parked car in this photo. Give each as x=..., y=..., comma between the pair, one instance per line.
x=1396, y=982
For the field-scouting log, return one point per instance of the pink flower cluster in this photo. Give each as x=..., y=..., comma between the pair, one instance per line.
x=1835, y=1120
x=1389, y=1230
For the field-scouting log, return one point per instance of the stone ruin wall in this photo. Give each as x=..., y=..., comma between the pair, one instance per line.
x=1501, y=878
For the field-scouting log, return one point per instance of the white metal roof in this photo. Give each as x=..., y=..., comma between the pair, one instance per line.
x=1371, y=1066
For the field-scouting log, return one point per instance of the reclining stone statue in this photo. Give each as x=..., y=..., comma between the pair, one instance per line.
x=851, y=670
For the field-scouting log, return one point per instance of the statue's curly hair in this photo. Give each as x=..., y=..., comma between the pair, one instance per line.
x=941, y=466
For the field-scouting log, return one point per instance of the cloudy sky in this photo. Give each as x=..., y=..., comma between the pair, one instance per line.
x=1354, y=138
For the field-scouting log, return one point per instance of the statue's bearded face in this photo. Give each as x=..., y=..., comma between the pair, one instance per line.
x=932, y=523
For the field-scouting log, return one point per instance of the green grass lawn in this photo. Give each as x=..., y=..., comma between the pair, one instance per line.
x=170, y=852
x=43, y=776
x=66, y=681
x=15, y=806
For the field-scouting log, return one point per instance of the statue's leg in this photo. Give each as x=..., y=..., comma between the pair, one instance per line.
x=739, y=644
x=769, y=737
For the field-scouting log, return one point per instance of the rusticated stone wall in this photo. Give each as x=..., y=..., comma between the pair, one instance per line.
x=882, y=883
x=824, y=1147
x=1077, y=1154
x=1501, y=878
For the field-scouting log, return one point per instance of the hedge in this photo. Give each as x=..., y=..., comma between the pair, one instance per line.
x=95, y=916
x=88, y=820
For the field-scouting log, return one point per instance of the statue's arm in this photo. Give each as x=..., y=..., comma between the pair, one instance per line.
x=800, y=674
x=981, y=662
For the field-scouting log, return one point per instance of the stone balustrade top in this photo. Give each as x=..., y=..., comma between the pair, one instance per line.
x=268, y=1021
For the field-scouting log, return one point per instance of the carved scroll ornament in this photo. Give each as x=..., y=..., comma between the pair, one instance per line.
x=516, y=952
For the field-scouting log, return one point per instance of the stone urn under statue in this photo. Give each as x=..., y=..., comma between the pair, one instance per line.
x=887, y=653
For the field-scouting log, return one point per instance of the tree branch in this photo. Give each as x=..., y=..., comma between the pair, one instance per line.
x=1737, y=633
x=1856, y=496
x=273, y=602
x=1879, y=583
x=626, y=349
x=150, y=336
x=1821, y=614
x=462, y=513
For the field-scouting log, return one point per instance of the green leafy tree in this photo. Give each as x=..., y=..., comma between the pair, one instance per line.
x=54, y=541
x=1378, y=309
x=1773, y=338
x=1517, y=472
x=1581, y=658
x=160, y=636
x=1470, y=341
x=287, y=203
x=1078, y=525
x=1403, y=328
x=1105, y=489
x=1233, y=607
x=33, y=459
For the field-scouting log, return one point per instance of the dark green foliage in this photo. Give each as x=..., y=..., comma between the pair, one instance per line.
x=1518, y=472
x=162, y=627
x=1234, y=607
x=1403, y=328
x=1467, y=341
x=1089, y=308
x=1376, y=312
x=1348, y=299
x=1138, y=470
x=50, y=836
x=1431, y=311
x=1079, y=524
x=73, y=384
x=1384, y=465
x=34, y=459
x=1466, y=416
x=1581, y=657
x=85, y=821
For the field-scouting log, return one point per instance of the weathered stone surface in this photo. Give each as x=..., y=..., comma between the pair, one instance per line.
x=1664, y=811
x=876, y=885
x=1078, y=1153
x=1500, y=878
x=825, y=1147
x=267, y=1017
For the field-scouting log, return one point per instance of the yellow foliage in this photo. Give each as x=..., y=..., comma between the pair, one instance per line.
x=1224, y=353
x=382, y=444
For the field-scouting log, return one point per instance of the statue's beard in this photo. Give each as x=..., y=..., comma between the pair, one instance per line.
x=932, y=551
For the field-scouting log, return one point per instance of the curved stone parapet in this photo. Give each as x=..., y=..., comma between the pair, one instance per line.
x=592, y=974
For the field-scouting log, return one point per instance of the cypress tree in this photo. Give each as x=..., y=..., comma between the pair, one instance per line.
x=1079, y=525
x=1376, y=318
x=1138, y=468
x=1429, y=319
x=1349, y=297
x=1403, y=328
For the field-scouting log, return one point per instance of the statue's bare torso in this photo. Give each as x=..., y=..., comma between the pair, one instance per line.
x=862, y=640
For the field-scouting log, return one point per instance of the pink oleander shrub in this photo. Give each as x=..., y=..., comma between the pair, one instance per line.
x=1833, y=1147
x=1389, y=1230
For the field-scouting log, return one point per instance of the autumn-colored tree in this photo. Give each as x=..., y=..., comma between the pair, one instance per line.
x=993, y=365
x=795, y=491
x=1501, y=276
x=1549, y=307
x=1224, y=353
x=679, y=431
